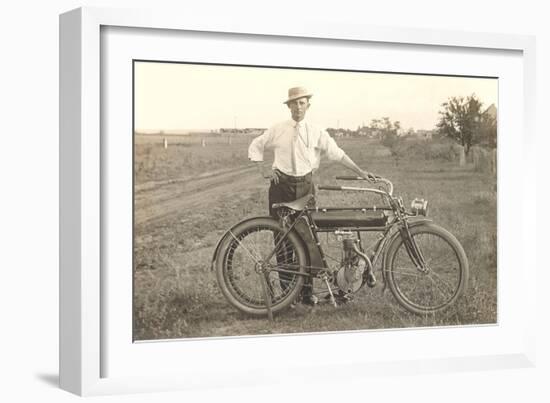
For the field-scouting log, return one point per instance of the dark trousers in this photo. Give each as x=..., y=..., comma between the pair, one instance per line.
x=289, y=189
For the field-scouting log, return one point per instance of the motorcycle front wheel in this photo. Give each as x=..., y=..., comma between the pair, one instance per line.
x=432, y=288
x=242, y=251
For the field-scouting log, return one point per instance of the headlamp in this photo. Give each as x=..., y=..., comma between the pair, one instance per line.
x=419, y=207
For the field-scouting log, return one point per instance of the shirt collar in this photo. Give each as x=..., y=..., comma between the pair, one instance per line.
x=300, y=124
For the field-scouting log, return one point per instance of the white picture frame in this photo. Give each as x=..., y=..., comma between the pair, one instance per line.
x=84, y=348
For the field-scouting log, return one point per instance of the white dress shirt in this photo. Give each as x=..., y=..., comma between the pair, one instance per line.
x=297, y=150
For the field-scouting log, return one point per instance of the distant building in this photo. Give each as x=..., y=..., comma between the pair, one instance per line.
x=488, y=127
x=424, y=134
x=246, y=130
x=491, y=111
x=419, y=134
x=368, y=132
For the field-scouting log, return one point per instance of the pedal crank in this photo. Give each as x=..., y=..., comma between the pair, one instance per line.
x=332, y=299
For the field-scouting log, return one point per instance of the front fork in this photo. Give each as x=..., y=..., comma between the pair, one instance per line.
x=412, y=248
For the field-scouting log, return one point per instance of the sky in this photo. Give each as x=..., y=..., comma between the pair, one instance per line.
x=178, y=96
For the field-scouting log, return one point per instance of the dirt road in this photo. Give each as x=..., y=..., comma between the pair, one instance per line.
x=161, y=200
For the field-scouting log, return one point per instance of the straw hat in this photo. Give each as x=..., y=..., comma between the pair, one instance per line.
x=297, y=92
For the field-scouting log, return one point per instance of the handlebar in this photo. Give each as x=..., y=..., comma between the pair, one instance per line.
x=328, y=187
x=350, y=178
x=377, y=179
x=356, y=178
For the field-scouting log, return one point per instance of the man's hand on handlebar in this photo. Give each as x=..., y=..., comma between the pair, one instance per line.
x=369, y=176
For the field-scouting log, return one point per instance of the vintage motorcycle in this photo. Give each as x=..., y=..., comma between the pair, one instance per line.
x=261, y=263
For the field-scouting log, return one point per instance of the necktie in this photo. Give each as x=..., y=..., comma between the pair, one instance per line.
x=293, y=149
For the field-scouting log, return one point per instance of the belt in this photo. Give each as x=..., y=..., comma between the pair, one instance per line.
x=290, y=178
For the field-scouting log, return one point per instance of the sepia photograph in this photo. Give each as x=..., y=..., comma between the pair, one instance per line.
x=276, y=200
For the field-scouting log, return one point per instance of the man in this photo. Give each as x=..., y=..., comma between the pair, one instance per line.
x=297, y=147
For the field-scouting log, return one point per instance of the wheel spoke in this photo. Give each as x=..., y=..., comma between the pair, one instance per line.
x=449, y=288
x=254, y=258
x=408, y=273
x=438, y=287
x=425, y=292
x=245, y=260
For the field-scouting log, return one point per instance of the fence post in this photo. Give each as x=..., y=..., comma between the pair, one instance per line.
x=165, y=143
x=476, y=158
x=462, y=157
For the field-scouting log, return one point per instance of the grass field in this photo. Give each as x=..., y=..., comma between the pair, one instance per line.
x=187, y=196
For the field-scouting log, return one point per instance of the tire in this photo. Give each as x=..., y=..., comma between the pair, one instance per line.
x=432, y=291
x=235, y=267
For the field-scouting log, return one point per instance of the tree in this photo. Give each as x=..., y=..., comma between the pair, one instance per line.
x=388, y=133
x=460, y=120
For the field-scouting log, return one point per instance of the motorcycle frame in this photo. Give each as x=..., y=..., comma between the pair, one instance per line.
x=398, y=224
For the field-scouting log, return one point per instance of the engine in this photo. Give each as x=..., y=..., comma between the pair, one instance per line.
x=355, y=265
x=350, y=276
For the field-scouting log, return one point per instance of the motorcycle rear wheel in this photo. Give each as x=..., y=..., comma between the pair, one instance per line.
x=248, y=244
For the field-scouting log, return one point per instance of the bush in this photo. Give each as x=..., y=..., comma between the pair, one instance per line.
x=431, y=150
x=484, y=159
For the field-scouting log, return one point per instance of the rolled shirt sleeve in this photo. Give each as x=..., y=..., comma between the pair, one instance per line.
x=258, y=145
x=329, y=147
